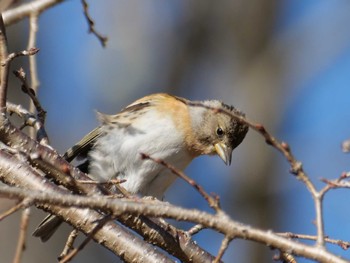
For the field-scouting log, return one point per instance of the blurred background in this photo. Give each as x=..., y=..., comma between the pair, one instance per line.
x=285, y=63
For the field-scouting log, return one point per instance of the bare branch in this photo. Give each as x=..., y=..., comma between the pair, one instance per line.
x=30, y=52
x=22, y=235
x=75, y=251
x=69, y=244
x=195, y=229
x=343, y=244
x=30, y=120
x=224, y=245
x=103, y=40
x=16, y=14
x=4, y=70
x=336, y=183
x=20, y=74
x=13, y=209
x=33, y=29
x=219, y=222
x=213, y=202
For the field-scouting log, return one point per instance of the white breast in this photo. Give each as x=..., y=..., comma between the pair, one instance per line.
x=117, y=154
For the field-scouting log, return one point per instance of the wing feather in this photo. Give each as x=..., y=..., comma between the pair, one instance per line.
x=83, y=146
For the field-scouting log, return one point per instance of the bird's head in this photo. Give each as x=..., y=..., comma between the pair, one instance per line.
x=217, y=132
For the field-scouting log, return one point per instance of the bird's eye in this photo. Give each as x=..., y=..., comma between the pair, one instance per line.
x=219, y=132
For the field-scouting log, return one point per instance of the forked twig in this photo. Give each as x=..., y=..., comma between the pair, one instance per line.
x=29, y=120
x=75, y=251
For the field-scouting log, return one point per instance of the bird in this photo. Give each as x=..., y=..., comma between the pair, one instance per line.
x=171, y=128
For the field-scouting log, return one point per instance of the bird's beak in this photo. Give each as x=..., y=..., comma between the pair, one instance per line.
x=224, y=152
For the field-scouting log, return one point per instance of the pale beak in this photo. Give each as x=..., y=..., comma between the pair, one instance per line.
x=224, y=152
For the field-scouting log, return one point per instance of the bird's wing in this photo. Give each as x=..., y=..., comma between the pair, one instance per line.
x=134, y=110
x=83, y=146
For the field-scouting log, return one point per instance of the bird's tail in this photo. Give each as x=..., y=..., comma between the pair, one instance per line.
x=47, y=227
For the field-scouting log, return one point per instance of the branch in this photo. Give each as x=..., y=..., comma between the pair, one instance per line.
x=69, y=244
x=22, y=235
x=33, y=29
x=16, y=14
x=21, y=75
x=103, y=40
x=12, y=56
x=14, y=209
x=75, y=251
x=30, y=120
x=213, y=202
x=224, y=245
x=343, y=244
x=4, y=70
x=220, y=223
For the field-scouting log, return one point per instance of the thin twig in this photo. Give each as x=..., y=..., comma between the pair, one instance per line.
x=75, y=251
x=29, y=52
x=213, y=202
x=33, y=30
x=103, y=40
x=343, y=244
x=69, y=243
x=33, y=70
x=20, y=74
x=195, y=229
x=22, y=235
x=12, y=210
x=336, y=183
x=29, y=120
x=224, y=245
x=4, y=69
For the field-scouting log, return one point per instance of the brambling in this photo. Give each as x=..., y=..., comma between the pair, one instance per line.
x=162, y=126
